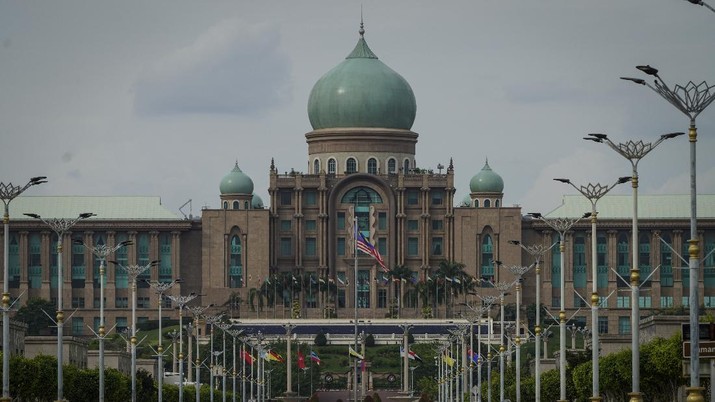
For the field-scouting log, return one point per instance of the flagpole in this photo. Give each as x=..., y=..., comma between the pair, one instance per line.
x=355, y=273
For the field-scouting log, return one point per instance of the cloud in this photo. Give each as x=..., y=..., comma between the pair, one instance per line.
x=542, y=92
x=233, y=68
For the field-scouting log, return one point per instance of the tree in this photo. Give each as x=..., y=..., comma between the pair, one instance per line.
x=33, y=314
x=454, y=275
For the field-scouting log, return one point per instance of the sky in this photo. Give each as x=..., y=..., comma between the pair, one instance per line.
x=161, y=98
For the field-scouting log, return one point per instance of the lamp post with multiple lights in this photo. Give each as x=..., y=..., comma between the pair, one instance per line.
x=102, y=251
x=594, y=192
x=212, y=320
x=235, y=333
x=197, y=311
x=9, y=192
x=537, y=251
x=691, y=100
x=561, y=226
x=502, y=287
x=634, y=151
x=181, y=301
x=518, y=272
x=161, y=288
x=60, y=226
x=133, y=271
x=701, y=3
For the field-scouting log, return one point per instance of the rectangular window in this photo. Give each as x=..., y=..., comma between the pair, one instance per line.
x=286, y=197
x=121, y=324
x=413, y=197
x=341, y=221
x=624, y=325
x=382, y=220
x=165, y=271
x=436, y=246
x=363, y=289
x=382, y=298
x=310, y=247
x=413, y=225
x=709, y=301
x=645, y=302
x=602, y=325
x=121, y=302
x=437, y=224
x=286, y=247
x=666, y=301
x=310, y=225
x=143, y=302
x=382, y=246
x=95, y=302
x=666, y=276
x=578, y=301
x=437, y=197
x=412, y=246
x=78, y=302
x=623, y=302
x=310, y=197
x=341, y=298
x=77, y=326
x=286, y=225
x=341, y=246
x=555, y=301
x=685, y=301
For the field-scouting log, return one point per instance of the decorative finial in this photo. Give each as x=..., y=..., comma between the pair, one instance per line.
x=451, y=164
x=362, y=25
x=273, y=165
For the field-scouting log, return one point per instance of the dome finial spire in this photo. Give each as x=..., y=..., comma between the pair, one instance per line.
x=362, y=25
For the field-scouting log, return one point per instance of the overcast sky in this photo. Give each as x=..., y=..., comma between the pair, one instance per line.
x=162, y=97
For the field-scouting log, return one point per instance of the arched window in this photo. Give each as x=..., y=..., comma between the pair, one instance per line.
x=476, y=203
x=391, y=166
x=406, y=165
x=245, y=205
x=487, y=269
x=351, y=165
x=331, y=166
x=235, y=205
x=362, y=198
x=372, y=166
x=496, y=203
x=235, y=269
x=225, y=205
x=487, y=203
x=316, y=166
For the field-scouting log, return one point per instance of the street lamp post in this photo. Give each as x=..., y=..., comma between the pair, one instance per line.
x=561, y=226
x=197, y=311
x=701, y=3
x=9, y=192
x=518, y=272
x=502, y=287
x=691, y=100
x=212, y=320
x=537, y=251
x=594, y=192
x=60, y=226
x=133, y=271
x=224, y=327
x=160, y=288
x=235, y=333
x=486, y=305
x=634, y=152
x=181, y=302
x=102, y=251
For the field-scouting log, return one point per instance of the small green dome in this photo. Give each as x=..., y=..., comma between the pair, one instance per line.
x=362, y=92
x=236, y=182
x=486, y=181
x=467, y=201
x=256, y=202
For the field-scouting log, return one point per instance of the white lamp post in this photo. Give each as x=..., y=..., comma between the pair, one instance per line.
x=561, y=226
x=181, y=302
x=518, y=272
x=133, y=271
x=502, y=287
x=235, y=333
x=197, y=312
x=691, y=100
x=60, y=226
x=634, y=152
x=9, y=192
x=212, y=320
x=224, y=327
x=537, y=251
x=594, y=192
x=102, y=251
x=160, y=288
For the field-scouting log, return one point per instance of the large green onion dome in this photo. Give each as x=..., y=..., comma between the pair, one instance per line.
x=236, y=182
x=486, y=181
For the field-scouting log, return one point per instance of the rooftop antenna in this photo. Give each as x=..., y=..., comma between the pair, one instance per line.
x=190, y=209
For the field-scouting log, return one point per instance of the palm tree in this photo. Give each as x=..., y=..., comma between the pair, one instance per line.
x=401, y=274
x=453, y=273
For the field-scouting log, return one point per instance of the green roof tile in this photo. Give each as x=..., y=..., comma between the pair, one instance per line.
x=671, y=206
x=106, y=208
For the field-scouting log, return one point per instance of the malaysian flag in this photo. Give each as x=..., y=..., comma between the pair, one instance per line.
x=363, y=245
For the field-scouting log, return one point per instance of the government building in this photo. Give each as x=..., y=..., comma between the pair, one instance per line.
x=294, y=256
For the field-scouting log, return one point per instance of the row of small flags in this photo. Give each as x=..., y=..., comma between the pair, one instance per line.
x=474, y=356
x=271, y=355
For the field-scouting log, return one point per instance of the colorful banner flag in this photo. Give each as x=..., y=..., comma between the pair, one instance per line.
x=353, y=353
x=272, y=355
x=301, y=360
x=448, y=359
x=247, y=357
x=314, y=357
x=366, y=247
